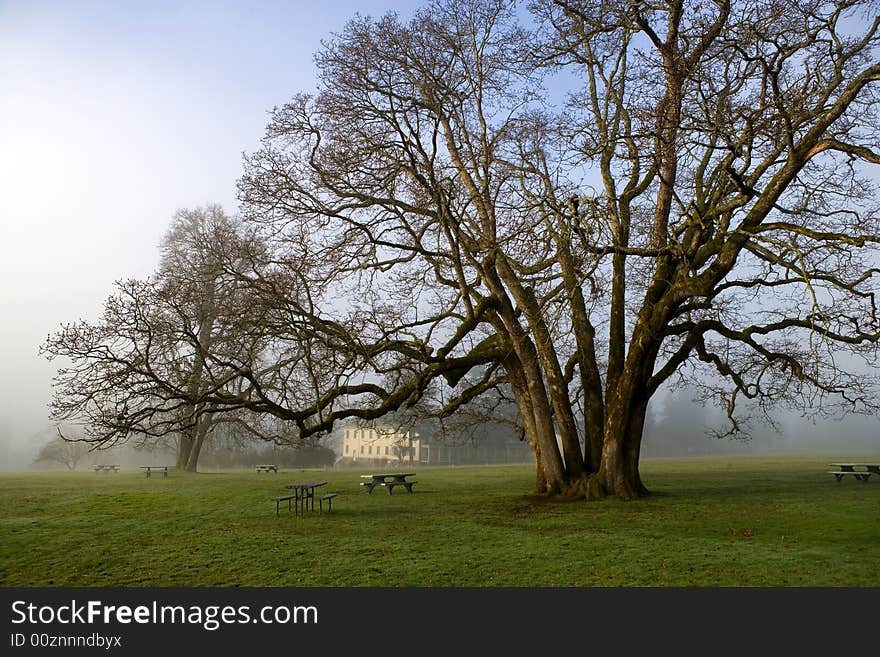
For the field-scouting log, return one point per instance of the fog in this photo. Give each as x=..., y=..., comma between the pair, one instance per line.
x=115, y=115
x=679, y=426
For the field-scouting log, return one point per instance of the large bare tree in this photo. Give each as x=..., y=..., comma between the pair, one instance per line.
x=697, y=208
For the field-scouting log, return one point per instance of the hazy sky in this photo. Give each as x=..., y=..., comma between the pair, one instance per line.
x=112, y=116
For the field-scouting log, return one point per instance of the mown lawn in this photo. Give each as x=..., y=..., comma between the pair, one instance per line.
x=711, y=522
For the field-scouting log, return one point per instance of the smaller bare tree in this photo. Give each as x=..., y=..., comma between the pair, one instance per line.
x=166, y=350
x=66, y=452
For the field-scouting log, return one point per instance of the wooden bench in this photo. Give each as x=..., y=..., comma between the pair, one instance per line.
x=861, y=476
x=280, y=499
x=101, y=467
x=389, y=485
x=267, y=468
x=329, y=498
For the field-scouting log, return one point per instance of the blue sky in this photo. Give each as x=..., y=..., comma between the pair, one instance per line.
x=112, y=116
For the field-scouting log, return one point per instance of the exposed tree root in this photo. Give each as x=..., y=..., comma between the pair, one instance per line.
x=590, y=487
x=586, y=487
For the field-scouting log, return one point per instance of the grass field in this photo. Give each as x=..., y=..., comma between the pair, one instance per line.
x=711, y=522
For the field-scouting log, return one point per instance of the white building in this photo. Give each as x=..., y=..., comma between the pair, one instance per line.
x=390, y=445
x=381, y=444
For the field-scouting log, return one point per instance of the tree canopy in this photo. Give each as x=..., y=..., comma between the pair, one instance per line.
x=432, y=221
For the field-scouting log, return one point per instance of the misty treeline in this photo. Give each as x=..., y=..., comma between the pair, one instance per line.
x=226, y=447
x=569, y=204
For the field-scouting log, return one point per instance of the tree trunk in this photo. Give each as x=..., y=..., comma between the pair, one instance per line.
x=617, y=324
x=618, y=473
x=555, y=388
x=527, y=415
x=545, y=435
x=193, y=460
x=523, y=396
x=534, y=404
x=184, y=447
x=625, y=412
x=591, y=381
x=200, y=434
x=633, y=448
x=188, y=459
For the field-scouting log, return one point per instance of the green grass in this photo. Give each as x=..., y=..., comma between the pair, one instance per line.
x=711, y=522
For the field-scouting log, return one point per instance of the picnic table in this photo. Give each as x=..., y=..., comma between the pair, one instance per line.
x=863, y=473
x=104, y=467
x=388, y=480
x=266, y=467
x=303, y=493
x=149, y=468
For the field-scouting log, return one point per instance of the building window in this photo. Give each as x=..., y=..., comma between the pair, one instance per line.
x=386, y=450
x=370, y=449
x=346, y=449
x=362, y=449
